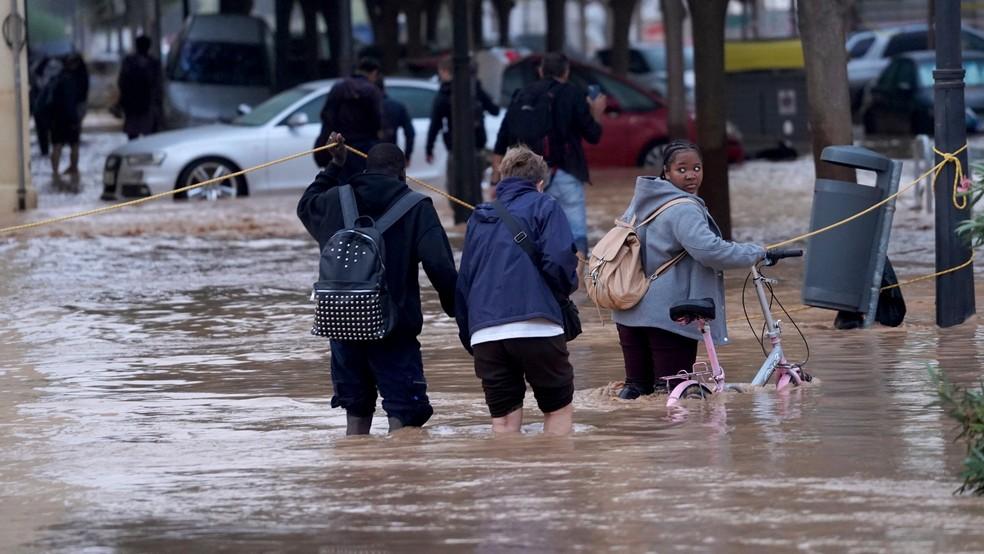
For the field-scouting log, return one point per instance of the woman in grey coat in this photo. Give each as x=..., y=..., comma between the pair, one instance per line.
x=653, y=345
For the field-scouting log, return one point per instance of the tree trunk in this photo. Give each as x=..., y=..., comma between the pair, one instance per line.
x=309, y=8
x=383, y=15
x=281, y=38
x=708, y=16
x=556, y=25
x=822, y=29
x=477, y=28
x=433, y=13
x=676, y=94
x=414, y=10
x=622, y=11
x=502, y=10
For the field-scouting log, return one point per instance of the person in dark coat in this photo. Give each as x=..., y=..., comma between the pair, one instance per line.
x=43, y=76
x=392, y=365
x=506, y=303
x=68, y=101
x=139, y=83
x=575, y=118
x=396, y=117
x=354, y=109
x=440, y=122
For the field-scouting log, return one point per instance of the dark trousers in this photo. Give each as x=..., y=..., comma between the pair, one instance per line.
x=393, y=367
x=42, y=126
x=652, y=353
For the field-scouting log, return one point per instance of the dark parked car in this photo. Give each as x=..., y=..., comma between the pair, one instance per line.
x=635, y=124
x=901, y=100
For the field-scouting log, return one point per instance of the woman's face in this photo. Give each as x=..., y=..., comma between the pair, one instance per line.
x=685, y=171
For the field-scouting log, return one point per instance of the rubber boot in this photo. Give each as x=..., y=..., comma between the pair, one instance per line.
x=631, y=391
x=357, y=425
x=395, y=424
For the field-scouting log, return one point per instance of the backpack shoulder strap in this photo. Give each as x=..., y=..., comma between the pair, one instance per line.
x=350, y=210
x=664, y=207
x=398, y=210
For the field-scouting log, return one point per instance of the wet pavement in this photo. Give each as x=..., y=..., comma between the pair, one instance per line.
x=162, y=393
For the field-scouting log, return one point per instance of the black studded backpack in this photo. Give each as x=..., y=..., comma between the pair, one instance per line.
x=352, y=303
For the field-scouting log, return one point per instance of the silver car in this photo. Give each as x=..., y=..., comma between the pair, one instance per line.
x=286, y=124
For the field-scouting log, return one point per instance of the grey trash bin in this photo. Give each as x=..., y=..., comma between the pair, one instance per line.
x=844, y=265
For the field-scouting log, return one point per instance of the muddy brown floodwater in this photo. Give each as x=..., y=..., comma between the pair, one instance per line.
x=160, y=392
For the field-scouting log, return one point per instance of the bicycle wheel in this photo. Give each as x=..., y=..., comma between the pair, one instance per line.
x=695, y=391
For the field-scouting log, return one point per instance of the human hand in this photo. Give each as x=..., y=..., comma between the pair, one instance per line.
x=597, y=106
x=338, y=152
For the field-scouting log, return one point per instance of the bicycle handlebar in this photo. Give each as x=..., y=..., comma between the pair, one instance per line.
x=773, y=256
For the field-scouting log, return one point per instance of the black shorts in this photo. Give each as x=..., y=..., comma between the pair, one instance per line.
x=543, y=361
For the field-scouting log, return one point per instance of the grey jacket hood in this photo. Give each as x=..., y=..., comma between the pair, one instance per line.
x=699, y=274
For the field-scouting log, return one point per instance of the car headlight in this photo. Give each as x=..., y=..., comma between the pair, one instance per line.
x=154, y=158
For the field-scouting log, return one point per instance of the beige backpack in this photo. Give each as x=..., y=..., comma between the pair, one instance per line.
x=615, y=278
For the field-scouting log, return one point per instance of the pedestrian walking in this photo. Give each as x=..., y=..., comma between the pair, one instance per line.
x=507, y=306
x=653, y=345
x=43, y=75
x=392, y=366
x=354, y=109
x=553, y=116
x=396, y=118
x=139, y=83
x=68, y=105
x=440, y=122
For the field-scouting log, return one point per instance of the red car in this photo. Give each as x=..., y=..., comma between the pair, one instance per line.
x=635, y=127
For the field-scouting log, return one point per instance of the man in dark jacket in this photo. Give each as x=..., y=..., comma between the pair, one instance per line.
x=440, y=122
x=140, y=91
x=506, y=307
x=574, y=118
x=392, y=365
x=354, y=109
x=396, y=117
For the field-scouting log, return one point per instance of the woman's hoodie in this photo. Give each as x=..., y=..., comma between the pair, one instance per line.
x=699, y=274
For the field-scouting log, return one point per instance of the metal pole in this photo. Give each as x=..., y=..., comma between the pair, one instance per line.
x=13, y=31
x=463, y=183
x=954, y=291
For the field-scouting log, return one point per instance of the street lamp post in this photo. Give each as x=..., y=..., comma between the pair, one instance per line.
x=462, y=184
x=954, y=291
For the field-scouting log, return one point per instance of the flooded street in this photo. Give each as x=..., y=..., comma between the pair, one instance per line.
x=162, y=393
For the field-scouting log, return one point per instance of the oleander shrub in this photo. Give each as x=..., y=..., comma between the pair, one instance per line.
x=965, y=405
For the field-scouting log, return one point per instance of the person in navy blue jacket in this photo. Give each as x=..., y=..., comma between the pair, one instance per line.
x=505, y=303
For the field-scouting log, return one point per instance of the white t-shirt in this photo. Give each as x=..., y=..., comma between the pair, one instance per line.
x=539, y=327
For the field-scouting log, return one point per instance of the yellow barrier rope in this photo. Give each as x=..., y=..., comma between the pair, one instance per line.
x=159, y=195
x=957, y=176
x=935, y=171
x=423, y=184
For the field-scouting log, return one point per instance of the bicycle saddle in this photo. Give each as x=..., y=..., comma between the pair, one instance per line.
x=694, y=308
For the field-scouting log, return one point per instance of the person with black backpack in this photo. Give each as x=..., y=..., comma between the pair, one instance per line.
x=373, y=232
x=552, y=116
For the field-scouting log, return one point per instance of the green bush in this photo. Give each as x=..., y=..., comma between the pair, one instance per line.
x=973, y=229
x=966, y=407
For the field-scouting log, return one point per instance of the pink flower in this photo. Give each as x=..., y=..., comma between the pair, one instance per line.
x=964, y=185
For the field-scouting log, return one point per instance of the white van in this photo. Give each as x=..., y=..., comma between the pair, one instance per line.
x=217, y=63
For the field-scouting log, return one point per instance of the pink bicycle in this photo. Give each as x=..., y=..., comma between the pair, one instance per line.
x=706, y=378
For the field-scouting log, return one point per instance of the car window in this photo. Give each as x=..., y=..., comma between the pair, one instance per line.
x=628, y=98
x=417, y=100
x=220, y=63
x=906, y=42
x=312, y=109
x=905, y=73
x=271, y=108
x=887, y=78
x=974, y=76
x=860, y=47
x=970, y=41
x=639, y=64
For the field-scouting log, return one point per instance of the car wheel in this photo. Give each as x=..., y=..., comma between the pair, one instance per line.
x=652, y=155
x=210, y=168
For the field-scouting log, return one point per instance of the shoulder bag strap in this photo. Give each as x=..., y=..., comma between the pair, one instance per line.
x=519, y=235
x=350, y=211
x=398, y=210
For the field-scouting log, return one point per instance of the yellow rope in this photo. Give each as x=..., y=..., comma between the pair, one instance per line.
x=423, y=184
x=937, y=274
x=957, y=176
x=159, y=195
x=935, y=171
